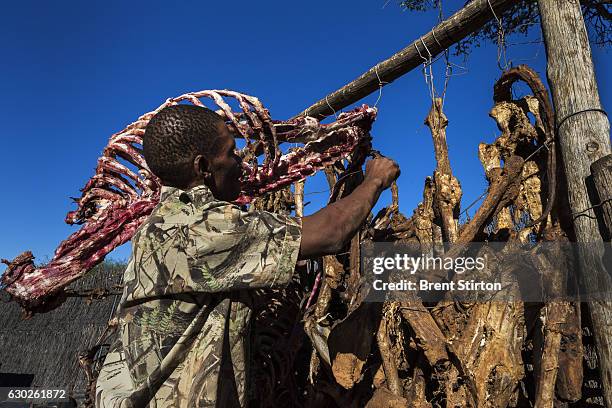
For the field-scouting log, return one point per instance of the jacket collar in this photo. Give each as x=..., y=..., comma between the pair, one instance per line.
x=197, y=195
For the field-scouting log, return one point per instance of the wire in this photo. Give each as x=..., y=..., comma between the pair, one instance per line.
x=432, y=88
x=501, y=41
x=583, y=212
x=380, y=86
x=339, y=180
x=330, y=107
x=577, y=113
x=474, y=202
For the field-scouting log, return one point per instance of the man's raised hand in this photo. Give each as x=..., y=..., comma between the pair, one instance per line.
x=382, y=170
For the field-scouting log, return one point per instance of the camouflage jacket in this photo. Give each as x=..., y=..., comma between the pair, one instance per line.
x=184, y=317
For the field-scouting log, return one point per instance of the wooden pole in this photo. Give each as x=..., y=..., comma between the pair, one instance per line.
x=602, y=178
x=466, y=21
x=583, y=133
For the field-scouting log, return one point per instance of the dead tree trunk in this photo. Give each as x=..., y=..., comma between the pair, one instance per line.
x=583, y=133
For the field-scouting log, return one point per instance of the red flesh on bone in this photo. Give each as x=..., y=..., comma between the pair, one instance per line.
x=120, y=196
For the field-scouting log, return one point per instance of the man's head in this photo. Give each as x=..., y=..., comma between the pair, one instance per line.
x=186, y=146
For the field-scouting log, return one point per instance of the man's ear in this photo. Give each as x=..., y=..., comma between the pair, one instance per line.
x=201, y=168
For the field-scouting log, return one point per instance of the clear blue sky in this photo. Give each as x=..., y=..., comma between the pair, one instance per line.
x=75, y=72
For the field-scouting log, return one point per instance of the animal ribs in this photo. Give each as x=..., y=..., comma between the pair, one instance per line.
x=123, y=192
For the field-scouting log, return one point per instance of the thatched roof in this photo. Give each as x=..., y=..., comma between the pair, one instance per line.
x=43, y=350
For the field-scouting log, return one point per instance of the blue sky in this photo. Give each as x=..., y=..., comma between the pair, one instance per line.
x=75, y=72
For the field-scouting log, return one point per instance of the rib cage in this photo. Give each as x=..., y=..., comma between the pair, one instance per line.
x=123, y=192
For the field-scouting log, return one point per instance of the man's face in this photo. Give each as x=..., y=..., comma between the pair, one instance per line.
x=226, y=166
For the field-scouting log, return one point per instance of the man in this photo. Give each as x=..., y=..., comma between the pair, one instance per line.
x=184, y=316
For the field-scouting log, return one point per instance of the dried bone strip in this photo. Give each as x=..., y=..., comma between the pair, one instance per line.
x=503, y=190
x=111, y=214
x=388, y=359
x=382, y=220
x=490, y=157
x=443, y=199
x=330, y=276
x=485, y=342
x=556, y=325
x=554, y=314
x=447, y=187
x=518, y=135
x=423, y=216
x=417, y=396
x=353, y=279
x=428, y=334
x=570, y=376
x=437, y=122
x=298, y=196
x=503, y=92
x=529, y=196
x=350, y=353
x=489, y=351
x=448, y=196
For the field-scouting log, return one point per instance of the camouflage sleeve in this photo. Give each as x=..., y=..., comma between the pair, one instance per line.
x=232, y=250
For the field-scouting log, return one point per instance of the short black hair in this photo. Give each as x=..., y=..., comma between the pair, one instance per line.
x=174, y=136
